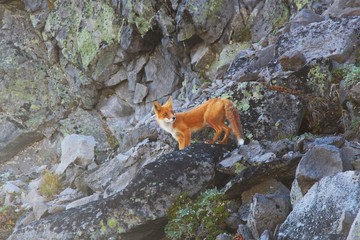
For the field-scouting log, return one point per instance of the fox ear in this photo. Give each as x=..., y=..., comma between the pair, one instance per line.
x=169, y=102
x=157, y=106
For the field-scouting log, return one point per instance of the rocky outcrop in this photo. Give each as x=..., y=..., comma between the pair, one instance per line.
x=143, y=203
x=326, y=211
x=85, y=70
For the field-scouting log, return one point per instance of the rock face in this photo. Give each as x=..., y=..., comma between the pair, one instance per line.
x=144, y=201
x=326, y=210
x=93, y=68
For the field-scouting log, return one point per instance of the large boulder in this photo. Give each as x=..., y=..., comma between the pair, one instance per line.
x=137, y=212
x=267, y=114
x=318, y=162
x=206, y=19
x=338, y=38
x=326, y=211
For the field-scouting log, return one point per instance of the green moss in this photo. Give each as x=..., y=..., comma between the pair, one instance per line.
x=199, y=219
x=83, y=29
x=282, y=18
x=318, y=80
x=300, y=3
x=87, y=47
x=141, y=14
x=112, y=223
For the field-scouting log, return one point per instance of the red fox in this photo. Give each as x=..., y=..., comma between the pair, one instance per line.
x=211, y=113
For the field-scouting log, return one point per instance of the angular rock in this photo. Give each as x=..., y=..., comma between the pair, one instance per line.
x=355, y=228
x=117, y=78
x=340, y=8
x=304, y=17
x=318, y=162
x=292, y=60
x=268, y=187
x=78, y=149
x=114, y=107
x=337, y=39
x=267, y=17
x=273, y=114
x=282, y=170
x=14, y=138
x=83, y=201
x=140, y=93
x=138, y=211
x=245, y=232
x=266, y=212
x=162, y=71
x=202, y=57
x=209, y=18
x=317, y=215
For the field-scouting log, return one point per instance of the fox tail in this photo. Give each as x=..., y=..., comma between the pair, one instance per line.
x=232, y=115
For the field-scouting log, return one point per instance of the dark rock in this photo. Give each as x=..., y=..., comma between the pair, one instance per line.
x=138, y=211
x=318, y=214
x=332, y=39
x=267, y=114
x=341, y=8
x=268, y=187
x=318, y=162
x=208, y=18
x=245, y=232
x=267, y=17
x=304, y=17
x=266, y=212
x=14, y=138
x=281, y=169
x=292, y=60
x=355, y=228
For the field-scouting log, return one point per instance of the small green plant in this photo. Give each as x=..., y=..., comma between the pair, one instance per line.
x=201, y=218
x=349, y=73
x=8, y=217
x=352, y=76
x=51, y=184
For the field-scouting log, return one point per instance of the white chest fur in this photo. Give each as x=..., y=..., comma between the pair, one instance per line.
x=167, y=127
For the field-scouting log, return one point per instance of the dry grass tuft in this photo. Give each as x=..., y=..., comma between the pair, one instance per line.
x=51, y=184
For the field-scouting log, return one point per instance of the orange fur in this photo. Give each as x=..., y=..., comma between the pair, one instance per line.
x=212, y=113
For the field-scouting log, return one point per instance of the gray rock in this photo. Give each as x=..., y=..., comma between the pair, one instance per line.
x=209, y=18
x=273, y=114
x=266, y=212
x=318, y=162
x=245, y=232
x=270, y=186
x=355, y=228
x=266, y=235
x=266, y=17
x=284, y=169
x=295, y=192
x=83, y=201
x=117, y=78
x=114, y=107
x=303, y=18
x=162, y=69
x=341, y=9
x=138, y=210
x=317, y=215
x=14, y=138
x=140, y=93
x=223, y=236
x=337, y=39
x=202, y=57
x=78, y=149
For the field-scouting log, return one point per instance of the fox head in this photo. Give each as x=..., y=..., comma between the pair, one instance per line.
x=164, y=112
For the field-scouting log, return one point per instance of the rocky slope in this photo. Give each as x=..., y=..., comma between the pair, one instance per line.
x=78, y=79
